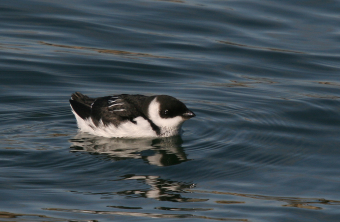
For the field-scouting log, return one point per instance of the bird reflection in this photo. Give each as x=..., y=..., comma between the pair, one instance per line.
x=155, y=151
x=160, y=189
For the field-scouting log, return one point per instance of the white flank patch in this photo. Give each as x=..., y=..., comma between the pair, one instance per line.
x=168, y=126
x=83, y=125
x=126, y=129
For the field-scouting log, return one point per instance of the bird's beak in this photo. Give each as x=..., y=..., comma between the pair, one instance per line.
x=188, y=114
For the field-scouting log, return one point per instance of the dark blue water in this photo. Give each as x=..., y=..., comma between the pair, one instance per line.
x=261, y=76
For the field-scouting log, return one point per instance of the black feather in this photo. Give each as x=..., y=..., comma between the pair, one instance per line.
x=81, y=109
x=118, y=109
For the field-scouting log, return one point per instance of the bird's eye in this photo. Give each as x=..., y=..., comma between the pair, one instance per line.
x=166, y=112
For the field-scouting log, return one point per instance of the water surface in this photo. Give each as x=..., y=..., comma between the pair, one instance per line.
x=261, y=76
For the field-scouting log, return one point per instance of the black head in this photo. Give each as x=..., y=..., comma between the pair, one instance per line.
x=171, y=107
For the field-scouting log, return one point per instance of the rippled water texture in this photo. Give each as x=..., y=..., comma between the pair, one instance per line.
x=261, y=76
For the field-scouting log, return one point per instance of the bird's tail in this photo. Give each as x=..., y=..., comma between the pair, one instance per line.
x=81, y=104
x=77, y=96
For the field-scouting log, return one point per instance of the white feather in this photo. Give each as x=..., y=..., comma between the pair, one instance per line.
x=168, y=126
x=142, y=128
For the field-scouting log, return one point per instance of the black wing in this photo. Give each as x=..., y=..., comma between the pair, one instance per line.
x=110, y=109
